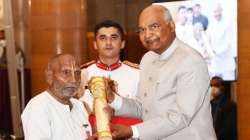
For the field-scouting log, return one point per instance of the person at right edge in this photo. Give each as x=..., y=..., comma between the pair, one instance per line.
x=174, y=86
x=224, y=110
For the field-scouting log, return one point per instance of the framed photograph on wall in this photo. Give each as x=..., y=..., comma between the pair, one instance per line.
x=210, y=27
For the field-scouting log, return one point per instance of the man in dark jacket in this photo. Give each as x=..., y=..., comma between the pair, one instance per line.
x=223, y=111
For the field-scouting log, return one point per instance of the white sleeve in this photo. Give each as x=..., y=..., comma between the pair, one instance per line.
x=36, y=124
x=87, y=98
x=135, y=130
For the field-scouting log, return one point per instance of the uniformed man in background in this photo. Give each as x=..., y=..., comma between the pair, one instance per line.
x=109, y=41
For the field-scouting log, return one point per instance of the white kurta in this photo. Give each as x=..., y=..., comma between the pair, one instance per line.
x=173, y=98
x=223, y=64
x=127, y=78
x=44, y=118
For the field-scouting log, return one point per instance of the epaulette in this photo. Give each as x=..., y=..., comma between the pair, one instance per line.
x=133, y=65
x=85, y=65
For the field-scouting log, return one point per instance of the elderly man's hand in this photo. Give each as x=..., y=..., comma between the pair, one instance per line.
x=121, y=131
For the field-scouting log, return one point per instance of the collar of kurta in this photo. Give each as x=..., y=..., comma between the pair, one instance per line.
x=166, y=54
x=106, y=67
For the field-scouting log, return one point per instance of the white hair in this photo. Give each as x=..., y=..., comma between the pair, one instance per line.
x=167, y=14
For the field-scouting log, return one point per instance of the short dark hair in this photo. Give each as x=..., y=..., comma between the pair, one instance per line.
x=107, y=24
x=197, y=5
x=219, y=80
x=190, y=9
x=181, y=7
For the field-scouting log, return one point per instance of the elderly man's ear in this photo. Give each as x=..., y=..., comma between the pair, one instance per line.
x=49, y=75
x=172, y=25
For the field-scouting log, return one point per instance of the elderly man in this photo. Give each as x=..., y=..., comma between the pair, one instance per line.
x=54, y=114
x=173, y=95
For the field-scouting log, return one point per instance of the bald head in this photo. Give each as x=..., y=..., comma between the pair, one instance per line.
x=56, y=61
x=61, y=62
x=217, y=11
x=156, y=10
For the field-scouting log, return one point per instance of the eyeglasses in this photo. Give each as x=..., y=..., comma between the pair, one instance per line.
x=152, y=27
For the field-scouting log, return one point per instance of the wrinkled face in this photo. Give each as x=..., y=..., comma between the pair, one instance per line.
x=108, y=42
x=154, y=31
x=66, y=77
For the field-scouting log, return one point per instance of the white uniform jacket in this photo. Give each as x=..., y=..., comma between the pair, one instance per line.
x=126, y=76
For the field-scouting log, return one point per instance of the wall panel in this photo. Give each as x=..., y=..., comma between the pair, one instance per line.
x=57, y=26
x=243, y=83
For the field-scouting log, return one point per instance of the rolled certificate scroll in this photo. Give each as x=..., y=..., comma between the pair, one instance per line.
x=98, y=89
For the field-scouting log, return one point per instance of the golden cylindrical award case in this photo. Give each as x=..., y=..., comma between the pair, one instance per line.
x=98, y=89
